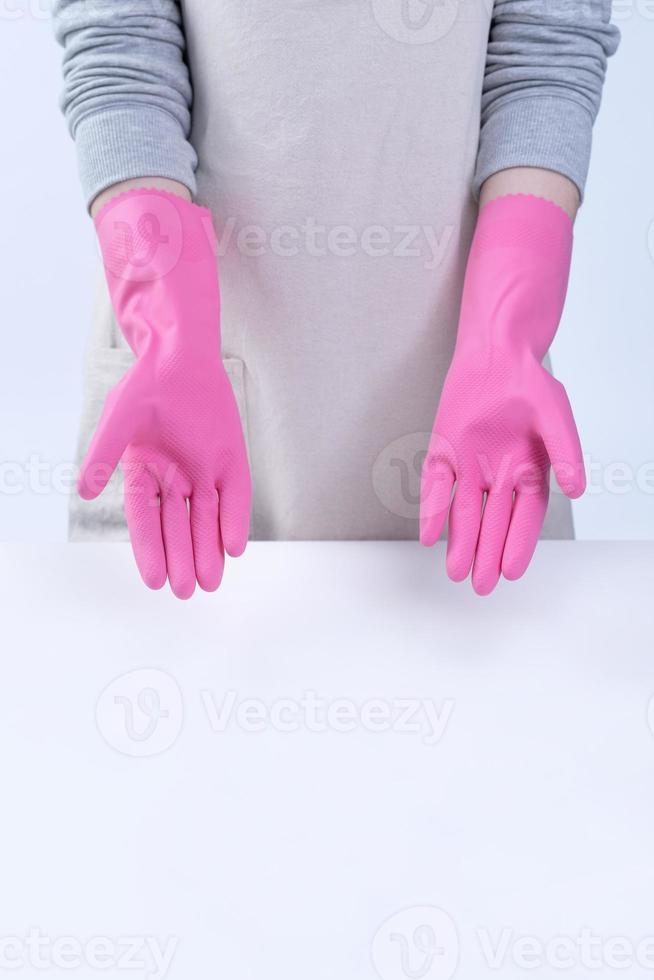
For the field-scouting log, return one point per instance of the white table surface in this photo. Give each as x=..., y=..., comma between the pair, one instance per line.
x=284, y=842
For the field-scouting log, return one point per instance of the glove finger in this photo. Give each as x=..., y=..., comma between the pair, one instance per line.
x=235, y=491
x=113, y=434
x=559, y=434
x=492, y=536
x=436, y=487
x=529, y=509
x=144, y=522
x=177, y=543
x=463, y=534
x=208, y=550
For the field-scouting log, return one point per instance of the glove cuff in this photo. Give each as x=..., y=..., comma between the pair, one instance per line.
x=159, y=254
x=517, y=275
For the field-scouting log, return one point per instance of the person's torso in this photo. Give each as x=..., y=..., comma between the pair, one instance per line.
x=337, y=142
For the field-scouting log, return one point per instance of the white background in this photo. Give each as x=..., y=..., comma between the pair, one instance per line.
x=604, y=353
x=279, y=847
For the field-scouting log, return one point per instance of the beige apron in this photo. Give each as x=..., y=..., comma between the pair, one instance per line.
x=337, y=143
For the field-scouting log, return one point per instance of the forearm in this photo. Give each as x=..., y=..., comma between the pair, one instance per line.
x=547, y=184
x=160, y=183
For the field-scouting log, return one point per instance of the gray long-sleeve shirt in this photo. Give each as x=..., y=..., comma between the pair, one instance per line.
x=128, y=96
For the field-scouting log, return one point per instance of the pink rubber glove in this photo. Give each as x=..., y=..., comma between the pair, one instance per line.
x=503, y=419
x=172, y=420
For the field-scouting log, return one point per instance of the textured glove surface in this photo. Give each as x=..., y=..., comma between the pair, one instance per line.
x=503, y=420
x=172, y=421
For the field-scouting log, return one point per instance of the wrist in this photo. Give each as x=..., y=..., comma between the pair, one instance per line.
x=533, y=181
x=139, y=183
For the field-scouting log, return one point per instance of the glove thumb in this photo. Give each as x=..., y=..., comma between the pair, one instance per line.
x=115, y=430
x=559, y=434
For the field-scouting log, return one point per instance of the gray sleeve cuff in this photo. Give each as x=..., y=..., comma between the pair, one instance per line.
x=545, y=131
x=132, y=141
